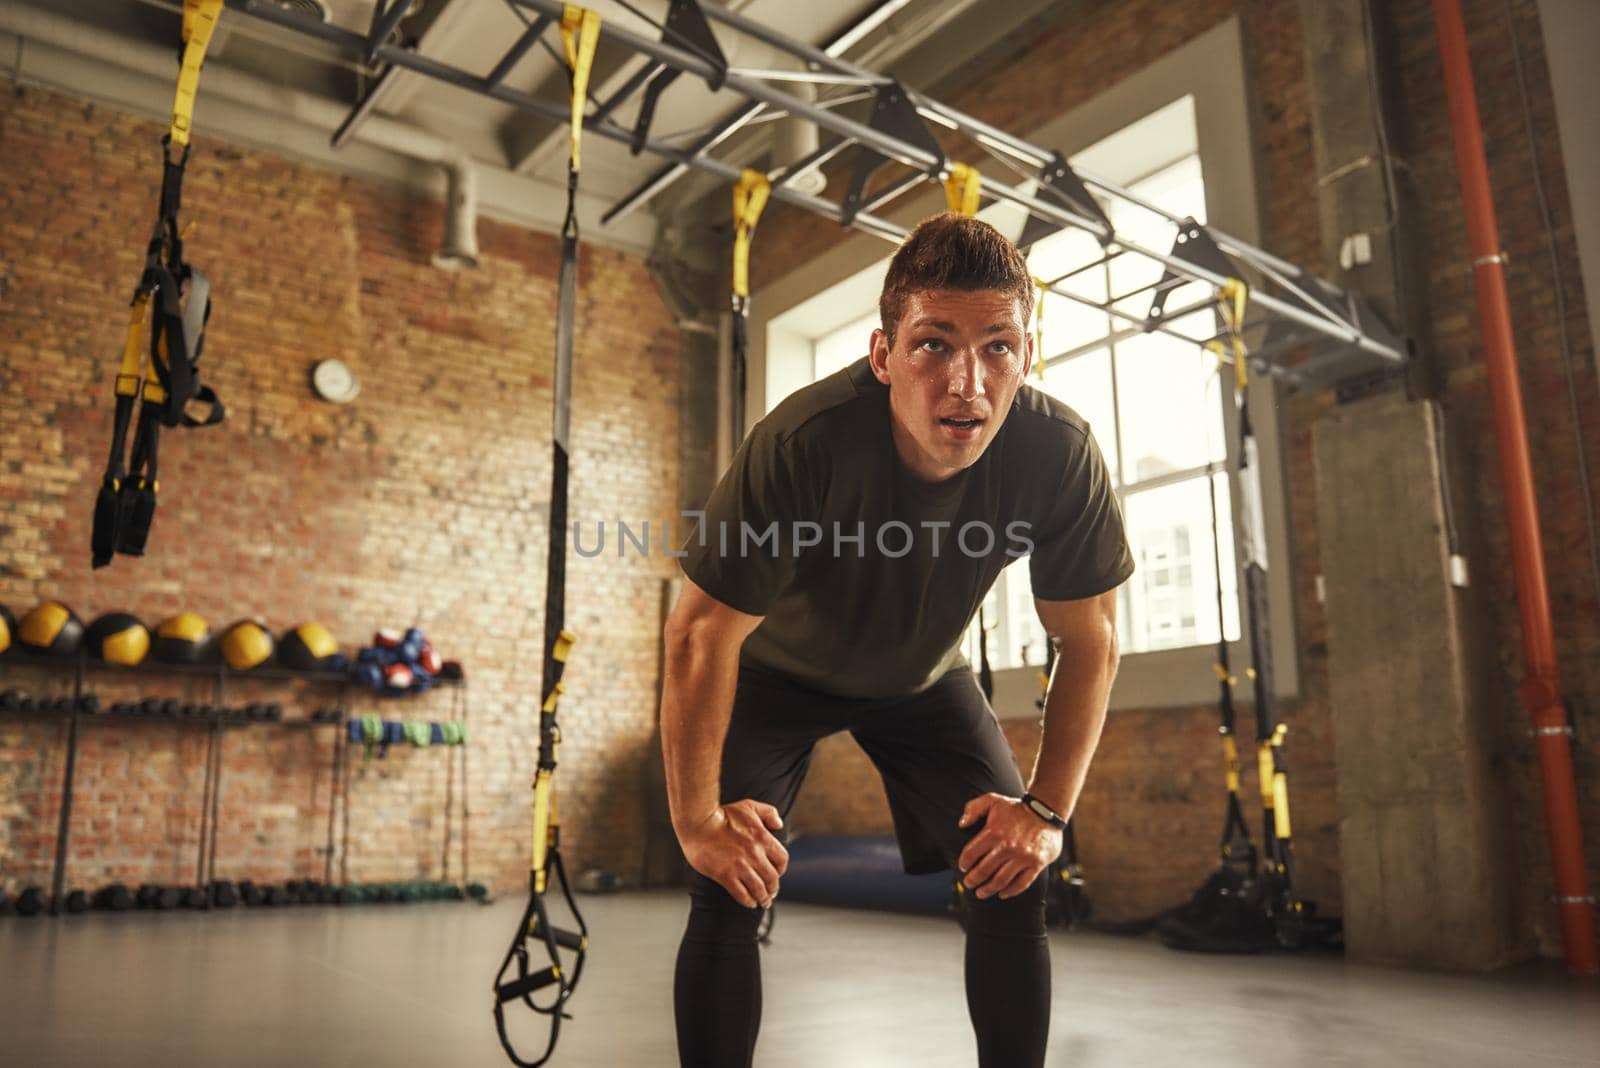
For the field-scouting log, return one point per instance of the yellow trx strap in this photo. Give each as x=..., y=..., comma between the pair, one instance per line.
x=1232, y=296
x=580, y=32
x=133, y=346
x=1280, y=786
x=1230, y=754
x=199, y=21
x=749, y=199
x=961, y=189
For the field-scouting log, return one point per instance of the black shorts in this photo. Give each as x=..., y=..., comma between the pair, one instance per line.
x=936, y=750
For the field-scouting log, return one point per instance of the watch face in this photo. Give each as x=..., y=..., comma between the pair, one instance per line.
x=335, y=382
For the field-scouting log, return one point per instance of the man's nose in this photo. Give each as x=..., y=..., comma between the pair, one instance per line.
x=966, y=376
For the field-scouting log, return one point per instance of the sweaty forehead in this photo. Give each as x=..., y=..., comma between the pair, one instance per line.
x=962, y=309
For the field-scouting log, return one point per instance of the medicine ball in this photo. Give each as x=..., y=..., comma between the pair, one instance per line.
x=118, y=638
x=246, y=645
x=8, y=629
x=52, y=629
x=182, y=639
x=308, y=647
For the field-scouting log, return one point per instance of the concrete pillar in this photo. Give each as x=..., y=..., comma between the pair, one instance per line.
x=1424, y=827
x=1424, y=838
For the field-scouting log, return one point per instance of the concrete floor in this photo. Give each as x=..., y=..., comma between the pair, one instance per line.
x=409, y=985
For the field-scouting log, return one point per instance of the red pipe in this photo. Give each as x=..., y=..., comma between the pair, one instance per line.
x=1541, y=685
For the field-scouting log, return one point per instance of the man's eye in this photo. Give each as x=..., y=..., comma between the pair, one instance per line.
x=932, y=344
x=1000, y=348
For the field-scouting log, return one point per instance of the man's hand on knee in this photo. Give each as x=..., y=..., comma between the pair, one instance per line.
x=735, y=847
x=1007, y=855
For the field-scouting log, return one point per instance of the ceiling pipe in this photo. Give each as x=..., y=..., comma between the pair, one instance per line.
x=57, y=31
x=1541, y=686
x=461, y=219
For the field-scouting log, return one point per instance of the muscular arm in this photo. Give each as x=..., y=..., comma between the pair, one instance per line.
x=1014, y=845
x=1085, y=633
x=731, y=844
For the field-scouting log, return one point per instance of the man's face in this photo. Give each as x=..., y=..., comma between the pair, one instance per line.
x=955, y=366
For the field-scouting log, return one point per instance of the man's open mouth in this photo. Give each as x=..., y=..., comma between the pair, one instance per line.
x=961, y=424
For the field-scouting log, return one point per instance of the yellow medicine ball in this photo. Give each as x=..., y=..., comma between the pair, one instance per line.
x=51, y=629
x=308, y=647
x=246, y=645
x=8, y=629
x=118, y=638
x=182, y=639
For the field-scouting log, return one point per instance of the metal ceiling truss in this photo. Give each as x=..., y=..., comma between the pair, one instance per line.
x=1291, y=310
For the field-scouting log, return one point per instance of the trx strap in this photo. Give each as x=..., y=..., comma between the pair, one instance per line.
x=961, y=189
x=1235, y=844
x=749, y=199
x=1292, y=917
x=520, y=976
x=176, y=298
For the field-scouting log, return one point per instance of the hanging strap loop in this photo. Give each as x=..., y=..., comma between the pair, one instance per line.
x=199, y=22
x=750, y=196
x=961, y=189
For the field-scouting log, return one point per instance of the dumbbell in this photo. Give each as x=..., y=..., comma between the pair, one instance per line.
x=224, y=895
x=477, y=891
x=250, y=893
x=194, y=897
x=76, y=901
x=113, y=898
x=30, y=902
x=272, y=896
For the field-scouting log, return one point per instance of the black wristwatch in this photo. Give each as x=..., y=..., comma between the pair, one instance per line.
x=1044, y=812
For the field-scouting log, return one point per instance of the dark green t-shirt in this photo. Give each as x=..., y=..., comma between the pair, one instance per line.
x=867, y=578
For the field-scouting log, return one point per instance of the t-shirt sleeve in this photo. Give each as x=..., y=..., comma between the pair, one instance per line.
x=1082, y=548
x=742, y=554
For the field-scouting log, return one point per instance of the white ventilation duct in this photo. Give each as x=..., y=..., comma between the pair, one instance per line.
x=461, y=218
x=794, y=140
x=461, y=243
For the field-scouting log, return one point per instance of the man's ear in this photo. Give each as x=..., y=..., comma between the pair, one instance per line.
x=879, y=356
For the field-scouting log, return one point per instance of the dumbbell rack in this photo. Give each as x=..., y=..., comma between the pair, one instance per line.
x=215, y=720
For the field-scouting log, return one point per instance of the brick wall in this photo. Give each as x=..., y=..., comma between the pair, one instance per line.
x=423, y=501
x=1152, y=808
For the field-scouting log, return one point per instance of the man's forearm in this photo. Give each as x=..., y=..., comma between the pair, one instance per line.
x=1074, y=714
x=696, y=705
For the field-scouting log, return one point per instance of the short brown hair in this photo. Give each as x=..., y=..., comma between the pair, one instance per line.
x=953, y=252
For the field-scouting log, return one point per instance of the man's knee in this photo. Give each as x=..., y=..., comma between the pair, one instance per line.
x=1017, y=917
x=715, y=917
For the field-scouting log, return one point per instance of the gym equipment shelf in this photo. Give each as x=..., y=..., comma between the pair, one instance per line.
x=82, y=707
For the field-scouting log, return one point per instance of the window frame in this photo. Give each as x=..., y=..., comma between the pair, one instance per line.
x=1210, y=68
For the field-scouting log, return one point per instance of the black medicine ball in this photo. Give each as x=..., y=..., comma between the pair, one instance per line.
x=182, y=639
x=308, y=647
x=8, y=629
x=51, y=629
x=118, y=638
x=246, y=645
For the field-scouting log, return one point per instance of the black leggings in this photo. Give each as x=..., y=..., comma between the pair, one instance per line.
x=936, y=751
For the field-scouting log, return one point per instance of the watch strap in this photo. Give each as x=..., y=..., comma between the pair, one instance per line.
x=1044, y=812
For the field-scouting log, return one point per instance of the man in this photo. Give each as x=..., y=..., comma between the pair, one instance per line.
x=842, y=557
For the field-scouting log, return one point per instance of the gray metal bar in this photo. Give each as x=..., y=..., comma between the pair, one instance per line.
x=634, y=83
x=383, y=25
x=1132, y=331
x=762, y=96
x=667, y=175
x=514, y=54
x=815, y=159
x=365, y=106
x=814, y=78
x=895, y=189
